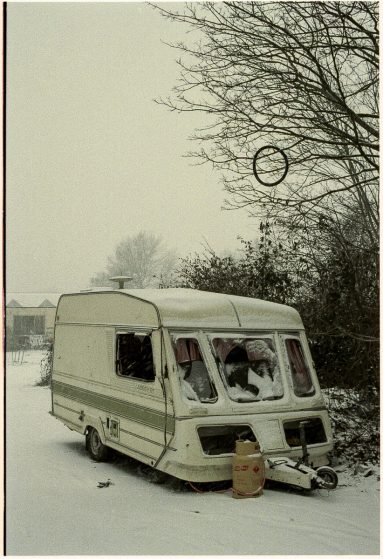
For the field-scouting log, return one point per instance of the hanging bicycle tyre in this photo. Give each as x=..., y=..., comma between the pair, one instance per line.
x=256, y=172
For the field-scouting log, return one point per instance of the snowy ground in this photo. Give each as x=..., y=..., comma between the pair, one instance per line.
x=54, y=505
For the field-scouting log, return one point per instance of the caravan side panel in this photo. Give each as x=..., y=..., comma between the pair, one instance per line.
x=131, y=414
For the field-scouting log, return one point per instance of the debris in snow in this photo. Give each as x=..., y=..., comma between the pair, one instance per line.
x=362, y=469
x=341, y=469
x=102, y=484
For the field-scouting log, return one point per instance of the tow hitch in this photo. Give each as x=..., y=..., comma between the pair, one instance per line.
x=285, y=470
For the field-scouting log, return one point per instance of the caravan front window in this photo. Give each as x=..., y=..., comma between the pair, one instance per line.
x=249, y=368
x=193, y=374
x=302, y=383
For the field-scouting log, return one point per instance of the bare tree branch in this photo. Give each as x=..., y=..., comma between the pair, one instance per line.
x=300, y=75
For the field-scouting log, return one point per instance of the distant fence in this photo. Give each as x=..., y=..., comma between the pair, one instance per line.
x=30, y=341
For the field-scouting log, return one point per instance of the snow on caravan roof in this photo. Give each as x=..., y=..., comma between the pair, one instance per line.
x=177, y=307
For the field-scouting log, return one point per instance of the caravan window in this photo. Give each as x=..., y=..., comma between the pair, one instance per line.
x=249, y=368
x=134, y=356
x=193, y=374
x=300, y=372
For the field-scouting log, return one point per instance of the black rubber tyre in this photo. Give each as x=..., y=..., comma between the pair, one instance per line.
x=286, y=161
x=329, y=479
x=97, y=450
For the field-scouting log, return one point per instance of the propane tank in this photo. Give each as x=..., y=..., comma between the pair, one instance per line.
x=248, y=470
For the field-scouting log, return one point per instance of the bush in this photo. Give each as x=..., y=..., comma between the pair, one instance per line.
x=355, y=422
x=46, y=367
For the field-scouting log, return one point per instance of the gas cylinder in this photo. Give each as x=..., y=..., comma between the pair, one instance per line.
x=248, y=470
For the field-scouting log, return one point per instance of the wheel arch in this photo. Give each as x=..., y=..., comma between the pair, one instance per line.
x=92, y=422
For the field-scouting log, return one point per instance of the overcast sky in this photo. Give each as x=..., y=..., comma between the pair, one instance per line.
x=90, y=157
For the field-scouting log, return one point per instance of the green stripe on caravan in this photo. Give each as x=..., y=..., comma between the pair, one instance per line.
x=134, y=412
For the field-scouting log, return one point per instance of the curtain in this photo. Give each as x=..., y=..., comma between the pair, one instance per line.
x=301, y=375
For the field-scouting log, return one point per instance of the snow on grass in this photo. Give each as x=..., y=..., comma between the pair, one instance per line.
x=55, y=507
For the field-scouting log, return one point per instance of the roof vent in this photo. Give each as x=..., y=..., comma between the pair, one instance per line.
x=121, y=280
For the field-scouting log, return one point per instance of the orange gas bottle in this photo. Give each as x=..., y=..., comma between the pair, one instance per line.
x=248, y=470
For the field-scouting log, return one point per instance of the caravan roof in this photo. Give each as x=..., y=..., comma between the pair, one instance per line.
x=175, y=307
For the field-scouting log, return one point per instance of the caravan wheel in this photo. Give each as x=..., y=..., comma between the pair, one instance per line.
x=95, y=446
x=328, y=478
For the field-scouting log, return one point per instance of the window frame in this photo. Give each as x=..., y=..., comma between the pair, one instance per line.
x=311, y=376
x=196, y=336
x=138, y=333
x=270, y=335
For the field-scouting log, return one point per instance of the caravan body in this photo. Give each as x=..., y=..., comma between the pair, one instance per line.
x=172, y=377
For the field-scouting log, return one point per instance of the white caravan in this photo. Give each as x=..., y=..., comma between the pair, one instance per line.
x=173, y=377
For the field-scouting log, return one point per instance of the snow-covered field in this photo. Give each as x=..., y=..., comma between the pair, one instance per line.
x=54, y=505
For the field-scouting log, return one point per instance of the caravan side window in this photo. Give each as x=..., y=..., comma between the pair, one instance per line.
x=134, y=356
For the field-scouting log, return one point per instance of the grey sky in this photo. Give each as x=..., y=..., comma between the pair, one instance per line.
x=90, y=157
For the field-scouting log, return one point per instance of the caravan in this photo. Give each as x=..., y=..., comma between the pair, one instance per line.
x=173, y=377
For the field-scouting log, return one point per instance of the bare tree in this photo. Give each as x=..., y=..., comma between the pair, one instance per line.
x=302, y=76
x=142, y=257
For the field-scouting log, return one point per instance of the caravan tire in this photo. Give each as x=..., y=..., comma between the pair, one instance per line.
x=329, y=479
x=97, y=450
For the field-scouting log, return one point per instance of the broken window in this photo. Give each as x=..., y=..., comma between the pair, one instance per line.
x=302, y=383
x=249, y=368
x=220, y=439
x=134, y=356
x=194, y=377
x=314, y=431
